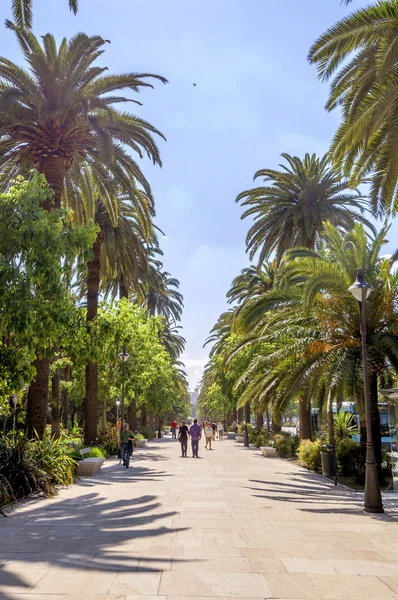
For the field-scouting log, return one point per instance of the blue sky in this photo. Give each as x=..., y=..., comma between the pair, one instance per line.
x=256, y=97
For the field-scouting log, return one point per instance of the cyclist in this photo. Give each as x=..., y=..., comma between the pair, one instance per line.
x=125, y=436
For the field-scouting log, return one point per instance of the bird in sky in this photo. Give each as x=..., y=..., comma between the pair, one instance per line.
x=194, y=84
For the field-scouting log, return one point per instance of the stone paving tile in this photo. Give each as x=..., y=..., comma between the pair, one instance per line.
x=20, y=582
x=215, y=584
x=140, y=582
x=292, y=586
x=347, y=587
x=66, y=581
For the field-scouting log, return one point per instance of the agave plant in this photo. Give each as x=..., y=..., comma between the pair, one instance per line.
x=344, y=426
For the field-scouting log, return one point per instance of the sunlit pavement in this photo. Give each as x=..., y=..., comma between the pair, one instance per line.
x=229, y=524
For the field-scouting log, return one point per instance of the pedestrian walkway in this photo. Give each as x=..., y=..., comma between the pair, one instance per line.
x=229, y=524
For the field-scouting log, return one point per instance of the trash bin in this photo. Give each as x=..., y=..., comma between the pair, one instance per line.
x=327, y=461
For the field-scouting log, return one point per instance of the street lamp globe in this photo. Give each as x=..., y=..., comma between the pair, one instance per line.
x=356, y=289
x=118, y=403
x=124, y=355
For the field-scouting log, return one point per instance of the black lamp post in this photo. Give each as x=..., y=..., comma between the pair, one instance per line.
x=247, y=417
x=123, y=357
x=372, y=500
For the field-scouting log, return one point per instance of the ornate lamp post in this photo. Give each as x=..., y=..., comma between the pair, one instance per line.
x=372, y=500
x=123, y=357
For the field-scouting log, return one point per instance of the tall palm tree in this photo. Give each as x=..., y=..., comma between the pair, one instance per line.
x=292, y=210
x=60, y=116
x=23, y=14
x=312, y=325
x=360, y=53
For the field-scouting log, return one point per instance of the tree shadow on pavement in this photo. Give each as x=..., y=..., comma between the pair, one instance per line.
x=309, y=489
x=84, y=532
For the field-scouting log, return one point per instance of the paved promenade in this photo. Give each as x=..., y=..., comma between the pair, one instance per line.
x=230, y=524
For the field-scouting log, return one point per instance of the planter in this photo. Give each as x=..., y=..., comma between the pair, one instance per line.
x=231, y=435
x=240, y=439
x=268, y=451
x=140, y=443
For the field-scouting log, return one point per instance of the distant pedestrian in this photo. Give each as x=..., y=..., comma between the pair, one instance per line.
x=208, y=435
x=214, y=428
x=196, y=433
x=183, y=439
x=220, y=430
x=173, y=428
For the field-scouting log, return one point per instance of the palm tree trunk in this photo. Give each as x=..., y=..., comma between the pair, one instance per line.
x=132, y=415
x=305, y=415
x=54, y=169
x=267, y=417
x=55, y=402
x=123, y=293
x=240, y=415
x=375, y=417
x=37, y=402
x=276, y=419
x=144, y=421
x=91, y=401
x=259, y=420
x=65, y=398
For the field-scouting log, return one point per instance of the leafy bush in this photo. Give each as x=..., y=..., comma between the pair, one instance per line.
x=309, y=454
x=109, y=440
x=52, y=458
x=347, y=456
x=147, y=433
x=286, y=445
x=32, y=466
x=139, y=436
x=97, y=452
x=233, y=428
x=259, y=437
x=19, y=469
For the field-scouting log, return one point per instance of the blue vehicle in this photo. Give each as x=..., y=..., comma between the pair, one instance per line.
x=387, y=429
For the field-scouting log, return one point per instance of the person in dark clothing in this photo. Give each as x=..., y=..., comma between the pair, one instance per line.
x=183, y=438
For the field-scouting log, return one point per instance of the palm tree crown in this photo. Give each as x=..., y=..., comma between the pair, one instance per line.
x=293, y=209
x=361, y=53
x=62, y=113
x=23, y=15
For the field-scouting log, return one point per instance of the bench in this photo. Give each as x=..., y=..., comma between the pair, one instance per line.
x=88, y=466
x=268, y=451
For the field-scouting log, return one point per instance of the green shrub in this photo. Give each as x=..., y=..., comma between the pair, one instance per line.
x=97, y=452
x=259, y=437
x=309, y=454
x=285, y=445
x=109, y=440
x=147, y=433
x=347, y=456
x=51, y=456
x=139, y=436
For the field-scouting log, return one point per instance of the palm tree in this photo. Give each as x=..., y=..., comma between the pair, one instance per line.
x=58, y=118
x=160, y=293
x=360, y=52
x=23, y=15
x=293, y=209
x=312, y=330
x=60, y=115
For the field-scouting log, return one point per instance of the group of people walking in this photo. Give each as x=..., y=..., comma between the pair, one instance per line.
x=194, y=432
